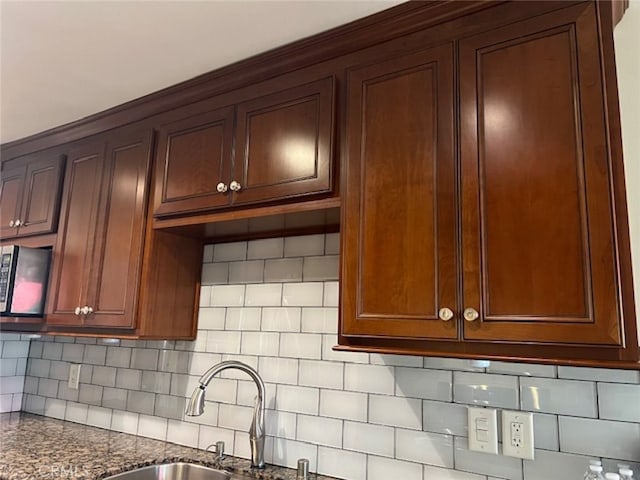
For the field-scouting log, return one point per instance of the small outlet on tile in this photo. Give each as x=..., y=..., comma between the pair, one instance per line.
x=517, y=434
x=483, y=429
x=74, y=375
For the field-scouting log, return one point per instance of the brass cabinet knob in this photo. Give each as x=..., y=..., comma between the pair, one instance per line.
x=445, y=314
x=470, y=314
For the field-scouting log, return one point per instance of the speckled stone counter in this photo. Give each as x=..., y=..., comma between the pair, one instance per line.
x=35, y=447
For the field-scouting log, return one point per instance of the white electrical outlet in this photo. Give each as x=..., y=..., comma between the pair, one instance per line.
x=517, y=434
x=483, y=429
x=74, y=375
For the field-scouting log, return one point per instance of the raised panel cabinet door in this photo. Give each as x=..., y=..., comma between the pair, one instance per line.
x=399, y=212
x=75, y=240
x=194, y=163
x=11, y=187
x=41, y=198
x=537, y=226
x=284, y=144
x=118, y=252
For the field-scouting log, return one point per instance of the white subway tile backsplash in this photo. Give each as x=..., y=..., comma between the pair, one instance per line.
x=264, y=295
x=600, y=438
x=152, y=427
x=345, y=405
x=319, y=320
x=564, y=397
x=266, y=248
x=260, y=343
x=366, y=438
x=599, y=374
x=395, y=411
x=210, y=318
x=439, y=473
x=619, y=402
x=302, y=294
x=424, y=383
x=485, y=389
x=223, y=342
x=227, y=252
x=523, y=369
x=331, y=294
x=342, y=463
x=549, y=465
x=424, y=447
x=99, y=417
x=444, y=417
x=319, y=430
x=287, y=452
x=298, y=399
x=499, y=466
x=369, y=378
x=320, y=269
x=314, y=373
x=380, y=468
x=281, y=319
x=354, y=415
x=182, y=433
x=304, y=246
x=279, y=370
x=283, y=270
x=244, y=319
x=251, y=271
x=301, y=345
x=215, y=273
x=207, y=253
x=227, y=296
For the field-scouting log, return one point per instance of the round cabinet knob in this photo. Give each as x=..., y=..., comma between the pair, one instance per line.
x=222, y=187
x=235, y=186
x=470, y=314
x=78, y=311
x=12, y=223
x=89, y=310
x=445, y=314
x=86, y=310
x=17, y=223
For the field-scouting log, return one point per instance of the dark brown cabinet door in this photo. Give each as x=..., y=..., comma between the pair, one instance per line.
x=30, y=196
x=399, y=227
x=75, y=240
x=11, y=186
x=284, y=144
x=118, y=251
x=99, y=252
x=193, y=159
x=537, y=228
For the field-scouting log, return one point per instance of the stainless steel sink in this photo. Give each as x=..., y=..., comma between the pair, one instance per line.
x=176, y=471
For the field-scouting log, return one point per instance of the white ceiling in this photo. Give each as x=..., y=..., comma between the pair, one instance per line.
x=64, y=60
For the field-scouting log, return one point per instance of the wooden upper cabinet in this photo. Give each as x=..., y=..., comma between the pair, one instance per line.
x=194, y=157
x=537, y=226
x=399, y=209
x=279, y=147
x=99, y=250
x=284, y=144
x=30, y=195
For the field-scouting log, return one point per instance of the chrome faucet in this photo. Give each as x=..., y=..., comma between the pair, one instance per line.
x=257, y=430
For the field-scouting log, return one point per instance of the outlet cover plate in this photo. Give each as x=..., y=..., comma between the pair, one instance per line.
x=517, y=434
x=483, y=429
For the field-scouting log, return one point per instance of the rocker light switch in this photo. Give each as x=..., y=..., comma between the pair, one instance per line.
x=483, y=429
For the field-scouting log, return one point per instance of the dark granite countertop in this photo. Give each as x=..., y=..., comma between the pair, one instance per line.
x=36, y=447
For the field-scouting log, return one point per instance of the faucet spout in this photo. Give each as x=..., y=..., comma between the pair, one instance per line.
x=257, y=430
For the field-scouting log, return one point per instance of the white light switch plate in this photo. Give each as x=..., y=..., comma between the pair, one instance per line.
x=74, y=375
x=483, y=429
x=517, y=434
